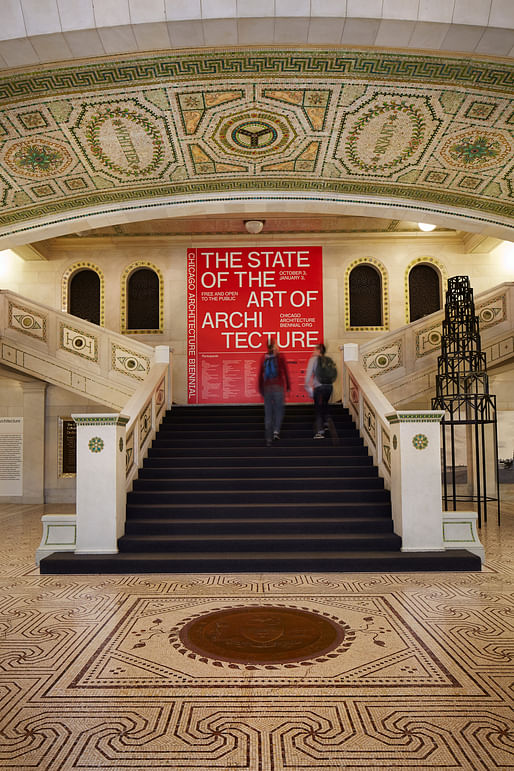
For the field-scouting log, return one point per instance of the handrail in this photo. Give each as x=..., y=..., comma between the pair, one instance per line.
x=406, y=448
x=145, y=410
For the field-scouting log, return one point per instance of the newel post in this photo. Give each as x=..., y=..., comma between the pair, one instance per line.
x=416, y=478
x=101, y=485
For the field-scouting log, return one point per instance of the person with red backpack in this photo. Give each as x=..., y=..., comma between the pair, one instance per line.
x=321, y=373
x=273, y=382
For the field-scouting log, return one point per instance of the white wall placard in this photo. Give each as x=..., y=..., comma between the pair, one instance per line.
x=11, y=456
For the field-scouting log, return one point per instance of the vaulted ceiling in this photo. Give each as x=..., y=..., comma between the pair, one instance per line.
x=331, y=130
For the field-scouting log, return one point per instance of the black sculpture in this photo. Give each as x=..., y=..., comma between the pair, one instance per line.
x=462, y=391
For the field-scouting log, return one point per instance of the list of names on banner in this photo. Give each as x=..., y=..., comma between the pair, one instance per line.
x=237, y=299
x=11, y=456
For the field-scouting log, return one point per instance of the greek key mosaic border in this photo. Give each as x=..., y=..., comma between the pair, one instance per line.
x=422, y=417
x=259, y=63
x=116, y=420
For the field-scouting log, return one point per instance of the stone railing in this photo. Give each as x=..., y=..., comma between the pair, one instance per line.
x=110, y=449
x=403, y=362
x=71, y=353
x=406, y=447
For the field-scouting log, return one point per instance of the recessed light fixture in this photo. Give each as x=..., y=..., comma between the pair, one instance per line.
x=254, y=226
x=426, y=227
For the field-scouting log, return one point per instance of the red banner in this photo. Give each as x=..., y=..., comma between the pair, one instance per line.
x=237, y=298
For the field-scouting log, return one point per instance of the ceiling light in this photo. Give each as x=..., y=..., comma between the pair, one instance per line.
x=254, y=226
x=426, y=227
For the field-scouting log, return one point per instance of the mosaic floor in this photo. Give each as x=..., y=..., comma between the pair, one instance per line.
x=112, y=672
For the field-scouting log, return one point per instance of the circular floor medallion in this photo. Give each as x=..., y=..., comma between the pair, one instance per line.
x=264, y=635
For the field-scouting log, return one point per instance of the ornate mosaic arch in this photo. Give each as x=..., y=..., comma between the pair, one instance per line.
x=65, y=285
x=380, y=267
x=123, y=299
x=441, y=269
x=423, y=133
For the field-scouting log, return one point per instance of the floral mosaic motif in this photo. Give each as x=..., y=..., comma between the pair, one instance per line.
x=37, y=158
x=476, y=150
x=420, y=441
x=95, y=444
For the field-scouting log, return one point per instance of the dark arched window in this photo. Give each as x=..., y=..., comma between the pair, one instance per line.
x=365, y=293
x=424, y=291
x=143, y=300
x=84, y=295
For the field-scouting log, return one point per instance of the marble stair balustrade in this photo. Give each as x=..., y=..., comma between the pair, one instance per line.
x=69, y=352
x=403, y=362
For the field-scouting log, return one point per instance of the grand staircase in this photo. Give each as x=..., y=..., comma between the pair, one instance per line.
x=212, y=497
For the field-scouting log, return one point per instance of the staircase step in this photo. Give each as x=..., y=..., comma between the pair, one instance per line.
x=262, y=472
x=280, y=562
x=219, y=460
x=274, y=542
x=315, y=449
x=256, y=496
x=309, y=485
x=234, y=510
x=229, y=526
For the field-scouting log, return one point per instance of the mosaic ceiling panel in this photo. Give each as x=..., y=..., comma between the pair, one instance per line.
x=425, y=129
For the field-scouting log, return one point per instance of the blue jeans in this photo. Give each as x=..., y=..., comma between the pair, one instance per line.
x=321, y=396
x=273, y=410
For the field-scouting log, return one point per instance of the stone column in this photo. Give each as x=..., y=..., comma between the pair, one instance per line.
x=33, y=441
x=416, y=479
x=101, y=485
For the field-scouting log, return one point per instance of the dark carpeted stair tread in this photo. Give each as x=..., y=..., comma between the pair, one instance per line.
x=257, y=543
x=277, y=497
x=221, y=461
x=310, y=561
x=262, y=473
x=308, y=524
x=311, y=484
x=211, y=510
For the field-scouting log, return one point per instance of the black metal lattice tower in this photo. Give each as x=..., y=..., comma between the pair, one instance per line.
x=462, y=391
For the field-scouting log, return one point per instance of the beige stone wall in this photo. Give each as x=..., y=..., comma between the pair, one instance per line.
x=43, y=280
x=41, y=407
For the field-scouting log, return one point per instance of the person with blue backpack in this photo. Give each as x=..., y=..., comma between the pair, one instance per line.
x=321, y=373
x=273, y=382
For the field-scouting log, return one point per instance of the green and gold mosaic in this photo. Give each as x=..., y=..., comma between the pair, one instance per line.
x=422, y=130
